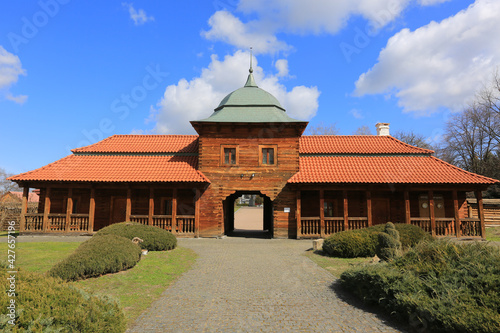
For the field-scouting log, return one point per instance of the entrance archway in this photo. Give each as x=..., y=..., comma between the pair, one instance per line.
x=251, y=222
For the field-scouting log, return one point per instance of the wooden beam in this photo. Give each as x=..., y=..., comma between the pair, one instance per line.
x=322, y=213
x=456, y=213
x=480, y=212
x=174, y=211
x=407, y=207
x=197, y=213
x=346, y=210
x=151, y=208
x=46, y=210
x=432, y=213
x=24, y=209
x=128, y=210
x=369, y=208
x=69, y=208
x=298, y=216
x=92, y=210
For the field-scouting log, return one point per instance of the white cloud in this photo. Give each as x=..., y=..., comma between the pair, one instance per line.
x=196, y=99
x=138, y=16
x=356, y=113
x=229, y=29
x=438, y=65
x=282, y=67
x=10, y=70
x=431, y=2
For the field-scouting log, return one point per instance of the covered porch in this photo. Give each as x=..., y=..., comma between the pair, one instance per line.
x=325, y=210
x=84, y=209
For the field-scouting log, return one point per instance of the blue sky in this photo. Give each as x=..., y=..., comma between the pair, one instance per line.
x=74, y=72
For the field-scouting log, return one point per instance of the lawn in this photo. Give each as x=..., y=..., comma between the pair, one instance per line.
x=493, y=234
x=135, y=289
x=336, y=266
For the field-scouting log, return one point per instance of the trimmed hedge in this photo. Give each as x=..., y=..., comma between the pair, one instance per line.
x=154, y=238
x=437, y=286
x=363, y=242
x=45, y=304
x=98, y=256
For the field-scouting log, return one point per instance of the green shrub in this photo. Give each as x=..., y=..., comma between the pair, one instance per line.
x=50, y=305
x=154, y=238
x=389, y=246
x=364, y=244
x=436, y=286
x=97, y=256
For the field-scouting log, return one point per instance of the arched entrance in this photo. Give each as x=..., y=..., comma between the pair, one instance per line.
x=254, y=217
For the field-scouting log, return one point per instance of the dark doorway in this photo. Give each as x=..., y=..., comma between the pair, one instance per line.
x=248, y=214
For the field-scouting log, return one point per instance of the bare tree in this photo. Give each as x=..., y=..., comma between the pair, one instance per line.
x=488, y=101
x=363, y=130
x=322, y=129
x=414, y=139
x=6, y=185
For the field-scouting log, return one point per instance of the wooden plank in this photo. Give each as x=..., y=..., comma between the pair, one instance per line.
x=298, y=217
x=322, y=213
x=432, y=213
x=346, y=210
x=456, y=213
x=151, y=208
x=46, y=210
x=369, y=207
x=480, y=212
x=197, y=213
x=92, y=210
x=128, y=209
x=69, y=208
x=24, y=209
x=174, y=211
x=407, y=207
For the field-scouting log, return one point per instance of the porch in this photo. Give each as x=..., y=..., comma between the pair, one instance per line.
x=85, y=210
x=322, y=212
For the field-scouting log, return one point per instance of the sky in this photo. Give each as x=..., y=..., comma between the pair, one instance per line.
x=75, y=72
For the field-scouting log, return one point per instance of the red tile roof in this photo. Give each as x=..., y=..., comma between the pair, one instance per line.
x=118, y=168
x=382, y=169
x=143, y=144
x=356, y=144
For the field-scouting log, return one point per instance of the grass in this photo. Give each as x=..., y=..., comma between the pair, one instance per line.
x=135, y=289
x=493, y=234
x=336, y=266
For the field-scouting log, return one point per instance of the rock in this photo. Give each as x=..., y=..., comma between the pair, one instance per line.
x=318, y=244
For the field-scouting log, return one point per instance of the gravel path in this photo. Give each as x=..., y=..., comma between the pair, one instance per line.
x=255, y=285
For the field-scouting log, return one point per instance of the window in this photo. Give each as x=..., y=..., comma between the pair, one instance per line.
x=229, y=155
x=328, y=209
x=267, y=155
x=166, y=206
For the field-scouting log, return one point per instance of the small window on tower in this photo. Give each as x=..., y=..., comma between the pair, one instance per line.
x=229, y=155
x=268, y=155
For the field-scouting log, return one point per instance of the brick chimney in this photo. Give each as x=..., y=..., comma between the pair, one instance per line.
x=382, y=128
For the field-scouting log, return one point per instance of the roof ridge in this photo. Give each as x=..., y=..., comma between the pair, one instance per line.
x=408, y=145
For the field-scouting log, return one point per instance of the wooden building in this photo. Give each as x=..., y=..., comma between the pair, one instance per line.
x=312, y=186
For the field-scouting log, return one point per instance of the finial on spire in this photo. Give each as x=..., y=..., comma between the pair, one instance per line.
x=251, y=56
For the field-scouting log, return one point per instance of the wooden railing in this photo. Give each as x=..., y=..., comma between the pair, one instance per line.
x=34, y=222
x=423, y=222
x=79, y=222
x=445, y=226
x=357, y=223
x=142, y=219
x=185, y=225
x=163, y=222
x=310, y=226
x=333, y=225
x=470, y=227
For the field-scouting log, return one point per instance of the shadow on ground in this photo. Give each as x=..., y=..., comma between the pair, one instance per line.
x=250, y=234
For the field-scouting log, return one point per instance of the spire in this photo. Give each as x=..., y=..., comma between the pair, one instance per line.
x=250, y=80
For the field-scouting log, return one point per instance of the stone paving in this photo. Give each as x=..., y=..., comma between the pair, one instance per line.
x=255, y=285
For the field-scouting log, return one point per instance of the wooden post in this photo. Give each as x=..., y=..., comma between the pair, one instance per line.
x=174, y=211
x=151, y=208
x=197, y=213
x=456, y=212
x=369, y=208
x=480, y=212
x=69, y=209
x=322, y=213
x=407, y=207
x=298, y=215
x=128, y=209
x=346, y=211
x=46, y=210
x=432, y=213
x=92, y=210
x=24, y=209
